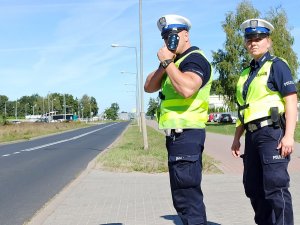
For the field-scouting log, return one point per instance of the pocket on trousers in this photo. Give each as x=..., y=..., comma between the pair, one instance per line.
x=275, y=134
x=185, y=171
x=275, y=171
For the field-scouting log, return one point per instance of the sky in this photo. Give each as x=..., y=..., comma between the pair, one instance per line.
x=64, y=46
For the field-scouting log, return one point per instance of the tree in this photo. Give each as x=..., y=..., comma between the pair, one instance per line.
x=230, y=61
x=3, y=100
x=216, y=88
x=282, y=39
x=42, y=105
x=112, y=112
x=152, y=107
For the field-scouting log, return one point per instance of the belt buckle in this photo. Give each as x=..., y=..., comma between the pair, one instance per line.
x=178, y=130
x=252, y=127
x=167, y=132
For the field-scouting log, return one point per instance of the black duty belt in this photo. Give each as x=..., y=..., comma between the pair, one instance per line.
x=253, y=126
x=168, y=132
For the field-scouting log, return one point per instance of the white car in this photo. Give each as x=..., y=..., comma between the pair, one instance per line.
x=234, y=119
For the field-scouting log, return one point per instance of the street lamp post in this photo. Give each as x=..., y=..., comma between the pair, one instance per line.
x=52, y=105
x=137, y=83
x=5, y=109
x=26, y=109
x=65, y=108
x=90, y=112
x=48, y=98
x=141, y=111
x=16, y=111
x=137, y=99
x=143, y=119
x=33, y=109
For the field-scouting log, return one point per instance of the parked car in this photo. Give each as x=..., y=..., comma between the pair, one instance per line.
x=225, y=118
x=15, y=121
x=211, y=117
x=217, y=117
x=234, y=119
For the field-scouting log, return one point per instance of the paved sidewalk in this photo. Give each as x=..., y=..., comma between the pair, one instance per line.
x=106, y=198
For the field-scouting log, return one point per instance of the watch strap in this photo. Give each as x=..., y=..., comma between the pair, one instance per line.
x=166, y=63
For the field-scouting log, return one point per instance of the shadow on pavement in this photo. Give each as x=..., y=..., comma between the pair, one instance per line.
x=175, y=218
x=212, y=223
x=177, y=221
x=111, y=224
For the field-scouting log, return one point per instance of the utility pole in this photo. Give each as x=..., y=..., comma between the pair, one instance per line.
x=143, y=119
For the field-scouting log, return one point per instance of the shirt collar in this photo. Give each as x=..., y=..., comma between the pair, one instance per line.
x=256, y=64
x=193, y=48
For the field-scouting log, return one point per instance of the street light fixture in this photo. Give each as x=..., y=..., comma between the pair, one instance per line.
x=33, y=109
x=16, y=110
x=5, y=109
x=139, y=90
x=26, y=109
x=137, y=98
x=137, y=83
x=142, y=113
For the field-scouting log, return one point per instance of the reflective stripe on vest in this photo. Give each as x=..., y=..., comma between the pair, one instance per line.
x=259, y=97
x=179, y=112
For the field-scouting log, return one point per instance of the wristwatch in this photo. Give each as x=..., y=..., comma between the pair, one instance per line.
x=166, y=62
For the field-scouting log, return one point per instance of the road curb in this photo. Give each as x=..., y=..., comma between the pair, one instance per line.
x=48, y=208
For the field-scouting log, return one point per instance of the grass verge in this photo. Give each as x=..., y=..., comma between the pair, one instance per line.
x=227, y=129
x=128, y=155
x=25, y=131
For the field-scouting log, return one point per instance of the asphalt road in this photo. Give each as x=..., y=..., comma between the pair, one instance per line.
x=32, y=172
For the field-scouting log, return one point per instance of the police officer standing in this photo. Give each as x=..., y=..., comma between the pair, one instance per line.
x=267, y=107
x=184, y=77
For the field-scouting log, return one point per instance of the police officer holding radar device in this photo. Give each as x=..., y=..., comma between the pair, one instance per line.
x=184, y=79
x=267, y=110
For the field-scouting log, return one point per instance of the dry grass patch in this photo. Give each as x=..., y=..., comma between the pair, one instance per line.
x=25, y=131
x=128, y=154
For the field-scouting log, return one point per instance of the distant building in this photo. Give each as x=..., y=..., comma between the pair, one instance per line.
x=126, y=116
x=217, y=101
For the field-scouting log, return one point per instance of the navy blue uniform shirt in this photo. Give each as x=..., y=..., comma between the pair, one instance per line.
x=280, y=78
x=195, y=63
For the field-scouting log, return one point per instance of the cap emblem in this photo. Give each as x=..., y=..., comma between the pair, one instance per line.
x=253, y=24
x=162, y=21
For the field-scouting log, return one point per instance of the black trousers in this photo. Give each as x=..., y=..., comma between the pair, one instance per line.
x=185, y=170
x=266, y=179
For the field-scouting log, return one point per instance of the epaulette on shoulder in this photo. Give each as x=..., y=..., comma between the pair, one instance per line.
x=275, y=59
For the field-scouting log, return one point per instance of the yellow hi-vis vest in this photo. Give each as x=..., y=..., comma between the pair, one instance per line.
x=259, y=98
x=179, y=112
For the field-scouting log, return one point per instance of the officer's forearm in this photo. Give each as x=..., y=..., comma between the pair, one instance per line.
x=153, y=81
x=238, y=132
x=290, y=114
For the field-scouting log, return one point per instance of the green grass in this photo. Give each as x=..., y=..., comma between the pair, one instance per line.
x=229, y=129
x=129, y=155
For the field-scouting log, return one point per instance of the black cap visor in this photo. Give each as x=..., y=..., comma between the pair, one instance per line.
x=255, y=35
x=165, y=34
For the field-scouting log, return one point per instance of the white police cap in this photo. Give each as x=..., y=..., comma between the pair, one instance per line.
x=254, y=27
x=173, y=22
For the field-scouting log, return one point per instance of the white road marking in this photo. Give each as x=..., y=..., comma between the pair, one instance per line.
x=57, y=142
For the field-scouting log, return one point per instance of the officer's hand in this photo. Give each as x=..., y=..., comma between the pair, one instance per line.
x=235, y=148
x=164, y=53
x=286, y=145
